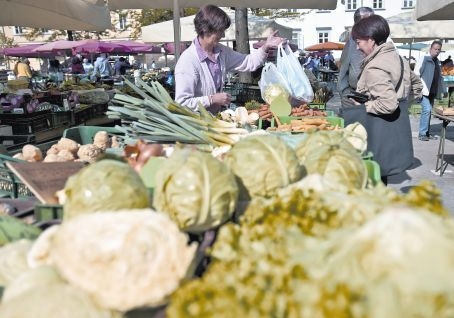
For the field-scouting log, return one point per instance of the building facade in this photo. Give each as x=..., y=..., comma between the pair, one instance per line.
x=316, y=26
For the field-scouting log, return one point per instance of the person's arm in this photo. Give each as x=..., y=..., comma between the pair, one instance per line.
x=382, y=91
x=419, y=71
x=242, y=63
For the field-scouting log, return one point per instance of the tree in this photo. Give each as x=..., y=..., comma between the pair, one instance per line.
x=242, y=38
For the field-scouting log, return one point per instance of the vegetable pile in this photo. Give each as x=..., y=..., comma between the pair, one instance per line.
x=156, y=117
x=324, y=253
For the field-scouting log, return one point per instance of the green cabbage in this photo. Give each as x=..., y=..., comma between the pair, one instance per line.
x=106, y=185
x=330, y=154
x=196, y=190
x=263, y=165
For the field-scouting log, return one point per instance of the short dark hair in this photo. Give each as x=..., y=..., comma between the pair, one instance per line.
x=211, y=19
x=361, y=13
x=436, y=42
x=374, y=27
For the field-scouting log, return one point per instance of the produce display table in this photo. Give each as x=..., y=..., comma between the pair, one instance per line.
x=441, y=162
x=448, y=81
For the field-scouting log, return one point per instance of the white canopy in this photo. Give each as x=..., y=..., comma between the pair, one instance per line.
x=177, y=4
x=405, y=28
x=166, y=4
x=80, y=15
x=435, y=10
x=259, y=28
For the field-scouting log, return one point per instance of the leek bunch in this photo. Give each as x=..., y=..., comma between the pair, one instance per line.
x=156, y=117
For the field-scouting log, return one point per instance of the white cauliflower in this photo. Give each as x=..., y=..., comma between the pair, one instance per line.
x=123, y=259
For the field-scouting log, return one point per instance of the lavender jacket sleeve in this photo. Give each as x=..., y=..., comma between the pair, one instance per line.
x=194, y=83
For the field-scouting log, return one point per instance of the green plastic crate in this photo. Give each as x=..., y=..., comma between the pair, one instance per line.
x=333, y=120
x=10, y=185
x=373, y=171
x=320, y=106
x=85, y=134
x=48, y=212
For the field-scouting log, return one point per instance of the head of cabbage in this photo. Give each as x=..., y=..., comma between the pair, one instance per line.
x=105, y=185
x=330, y=154
x=263, y=165
x=196, y=190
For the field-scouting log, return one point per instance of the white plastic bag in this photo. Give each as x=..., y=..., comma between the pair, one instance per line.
x=272, y=83
x=289, y=66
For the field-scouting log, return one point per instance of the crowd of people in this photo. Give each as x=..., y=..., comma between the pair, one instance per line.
x=103, y=66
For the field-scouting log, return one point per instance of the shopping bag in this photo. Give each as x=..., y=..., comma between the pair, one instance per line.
x=289, y=66
x=272, y=83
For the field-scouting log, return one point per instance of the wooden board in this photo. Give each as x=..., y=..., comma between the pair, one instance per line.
x=445, y=112
x=45, y=179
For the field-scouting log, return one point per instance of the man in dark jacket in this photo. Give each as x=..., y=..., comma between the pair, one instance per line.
x=428, y=68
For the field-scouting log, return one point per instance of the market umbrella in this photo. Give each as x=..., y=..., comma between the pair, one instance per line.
x=413, y=46
x=96, y=46
x=138, y=47
x=325, y=46
x=25, y=51
x=56, y=46
x=82, y=15
x=175, y=5
x=434, y=10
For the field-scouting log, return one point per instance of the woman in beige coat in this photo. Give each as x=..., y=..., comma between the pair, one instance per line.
x=388, y=82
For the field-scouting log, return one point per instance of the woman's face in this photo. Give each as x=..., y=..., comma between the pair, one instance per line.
x=365, y=46
x=213, y=38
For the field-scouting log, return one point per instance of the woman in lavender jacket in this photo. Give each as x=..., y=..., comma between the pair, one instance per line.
x=201, y=69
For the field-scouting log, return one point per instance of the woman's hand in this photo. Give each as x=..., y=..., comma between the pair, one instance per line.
x=273, y=41
x=222, y=99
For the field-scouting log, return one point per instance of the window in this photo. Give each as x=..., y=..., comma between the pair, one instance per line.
x=323, y=36
x=122, y=21
x=292, y=10
x=408, y=4
x=352, y=5
x=18, y=30
x=377, y=4
x=44, y=31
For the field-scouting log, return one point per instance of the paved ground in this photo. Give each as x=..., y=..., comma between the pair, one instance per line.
x=425, y=159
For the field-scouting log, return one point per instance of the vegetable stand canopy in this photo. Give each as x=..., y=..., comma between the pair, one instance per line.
x=81, y=15
x=177, y=4
x=404, y=28
x=259, y=28
x=61, y=47
x=434, y=10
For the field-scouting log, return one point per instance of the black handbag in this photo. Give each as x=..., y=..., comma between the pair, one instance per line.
x=360, y=98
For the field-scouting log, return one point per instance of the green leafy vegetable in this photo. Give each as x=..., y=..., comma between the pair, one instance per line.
x=105, y=185
x=330, y=154
x=196, y=190
x=263, y=164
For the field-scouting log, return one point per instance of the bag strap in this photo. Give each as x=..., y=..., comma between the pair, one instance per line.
x=401, y=73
